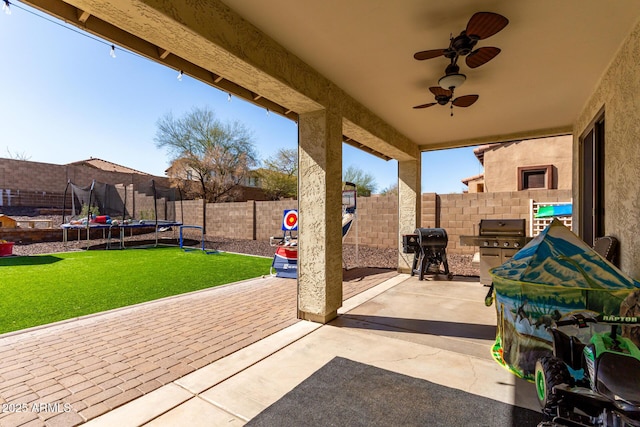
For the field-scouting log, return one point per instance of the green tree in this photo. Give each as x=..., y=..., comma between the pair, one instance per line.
x=213, y=155
x=365, y=182
x=279, y=176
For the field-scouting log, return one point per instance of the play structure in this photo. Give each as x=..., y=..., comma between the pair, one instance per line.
x=556, y=276
x=116, y=209
x=285, y=259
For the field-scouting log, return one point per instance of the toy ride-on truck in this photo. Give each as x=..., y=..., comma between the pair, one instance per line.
x=590, y=384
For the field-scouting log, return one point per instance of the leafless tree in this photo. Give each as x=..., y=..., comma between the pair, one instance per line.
x=209, y=159
x=18, y=155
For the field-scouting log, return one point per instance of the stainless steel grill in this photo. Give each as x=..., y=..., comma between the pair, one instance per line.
x=498, y=240
x=429, y=246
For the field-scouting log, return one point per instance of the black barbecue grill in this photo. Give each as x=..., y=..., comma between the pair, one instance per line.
x=429, y=248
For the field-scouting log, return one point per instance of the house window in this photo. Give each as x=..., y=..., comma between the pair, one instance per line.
x=189, y=175
x=532, y=177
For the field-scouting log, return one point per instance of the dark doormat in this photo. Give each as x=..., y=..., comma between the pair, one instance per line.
x=348, y=393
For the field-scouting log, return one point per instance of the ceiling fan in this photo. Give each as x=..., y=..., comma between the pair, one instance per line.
x=444, y=97
x=482, y=25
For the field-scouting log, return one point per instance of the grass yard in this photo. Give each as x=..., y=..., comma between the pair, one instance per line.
x=41, y=289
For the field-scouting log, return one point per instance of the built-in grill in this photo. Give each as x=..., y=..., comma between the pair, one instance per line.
x=499, y=240
x=430, y=248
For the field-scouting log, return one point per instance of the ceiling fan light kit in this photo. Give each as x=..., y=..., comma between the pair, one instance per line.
x=452, y=81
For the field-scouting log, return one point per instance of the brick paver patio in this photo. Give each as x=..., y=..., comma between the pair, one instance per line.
x=66, y=374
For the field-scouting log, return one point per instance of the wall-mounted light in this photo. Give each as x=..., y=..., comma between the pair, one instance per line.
x=112, y=52
x=180, y=74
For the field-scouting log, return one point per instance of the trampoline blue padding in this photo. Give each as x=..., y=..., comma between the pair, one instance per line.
x=120, y=226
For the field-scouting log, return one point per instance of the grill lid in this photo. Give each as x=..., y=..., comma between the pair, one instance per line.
x=502, y=227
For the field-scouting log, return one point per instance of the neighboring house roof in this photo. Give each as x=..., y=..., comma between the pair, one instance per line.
x=480, y=150
x=107, y=166
x=466, y=181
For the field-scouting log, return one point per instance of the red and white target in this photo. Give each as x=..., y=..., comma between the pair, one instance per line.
x=290, y=220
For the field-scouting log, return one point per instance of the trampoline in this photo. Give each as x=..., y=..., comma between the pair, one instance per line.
x=122, y=228
x=119, y=207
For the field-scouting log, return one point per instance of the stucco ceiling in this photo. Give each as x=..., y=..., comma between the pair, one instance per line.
x=553, y=54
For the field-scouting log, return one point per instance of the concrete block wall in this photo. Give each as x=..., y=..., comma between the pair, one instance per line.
x=269, y=217
x=36, y=184
x=233, y=220
x=460, y=214
x=376, y=222
x=189, y=212
x=377, y=219
x=20, y=175
x=13, y=197
x=429, y=211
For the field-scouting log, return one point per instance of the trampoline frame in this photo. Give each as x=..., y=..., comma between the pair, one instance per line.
x=121, y=230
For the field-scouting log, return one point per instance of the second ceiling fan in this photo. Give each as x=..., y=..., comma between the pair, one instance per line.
x=444, y=97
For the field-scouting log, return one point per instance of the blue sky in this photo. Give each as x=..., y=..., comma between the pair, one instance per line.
x=64, y=98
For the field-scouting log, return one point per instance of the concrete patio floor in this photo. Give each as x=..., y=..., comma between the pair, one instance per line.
x=69, y=372
x=439, y=331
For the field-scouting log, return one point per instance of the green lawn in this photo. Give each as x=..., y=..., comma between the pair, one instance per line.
x=41, y=289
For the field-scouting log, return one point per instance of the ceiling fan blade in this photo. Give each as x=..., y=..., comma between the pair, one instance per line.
x=428, y=54
x=485, y=24
x=465, y=101
x=425, y=105
x=437, y=90
x=481, y=56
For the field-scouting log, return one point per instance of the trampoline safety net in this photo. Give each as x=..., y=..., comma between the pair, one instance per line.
x=148, y=201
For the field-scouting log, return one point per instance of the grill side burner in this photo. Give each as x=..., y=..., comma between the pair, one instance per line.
x=499, y=240
x=429, y=246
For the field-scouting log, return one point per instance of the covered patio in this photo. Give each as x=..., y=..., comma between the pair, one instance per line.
x=345, y=72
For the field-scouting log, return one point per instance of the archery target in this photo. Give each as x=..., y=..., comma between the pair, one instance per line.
x=290, y=220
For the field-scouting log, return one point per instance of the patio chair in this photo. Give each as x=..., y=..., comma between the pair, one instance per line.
x=607, y=247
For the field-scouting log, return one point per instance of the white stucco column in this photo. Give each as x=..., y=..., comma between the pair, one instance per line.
x=409, y=174
x=320, y=220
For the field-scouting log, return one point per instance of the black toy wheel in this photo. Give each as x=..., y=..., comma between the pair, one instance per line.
x=550, y=372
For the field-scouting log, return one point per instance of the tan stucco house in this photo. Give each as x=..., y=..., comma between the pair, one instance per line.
x=248, y=189
x=542, y=163
x=346, y=72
